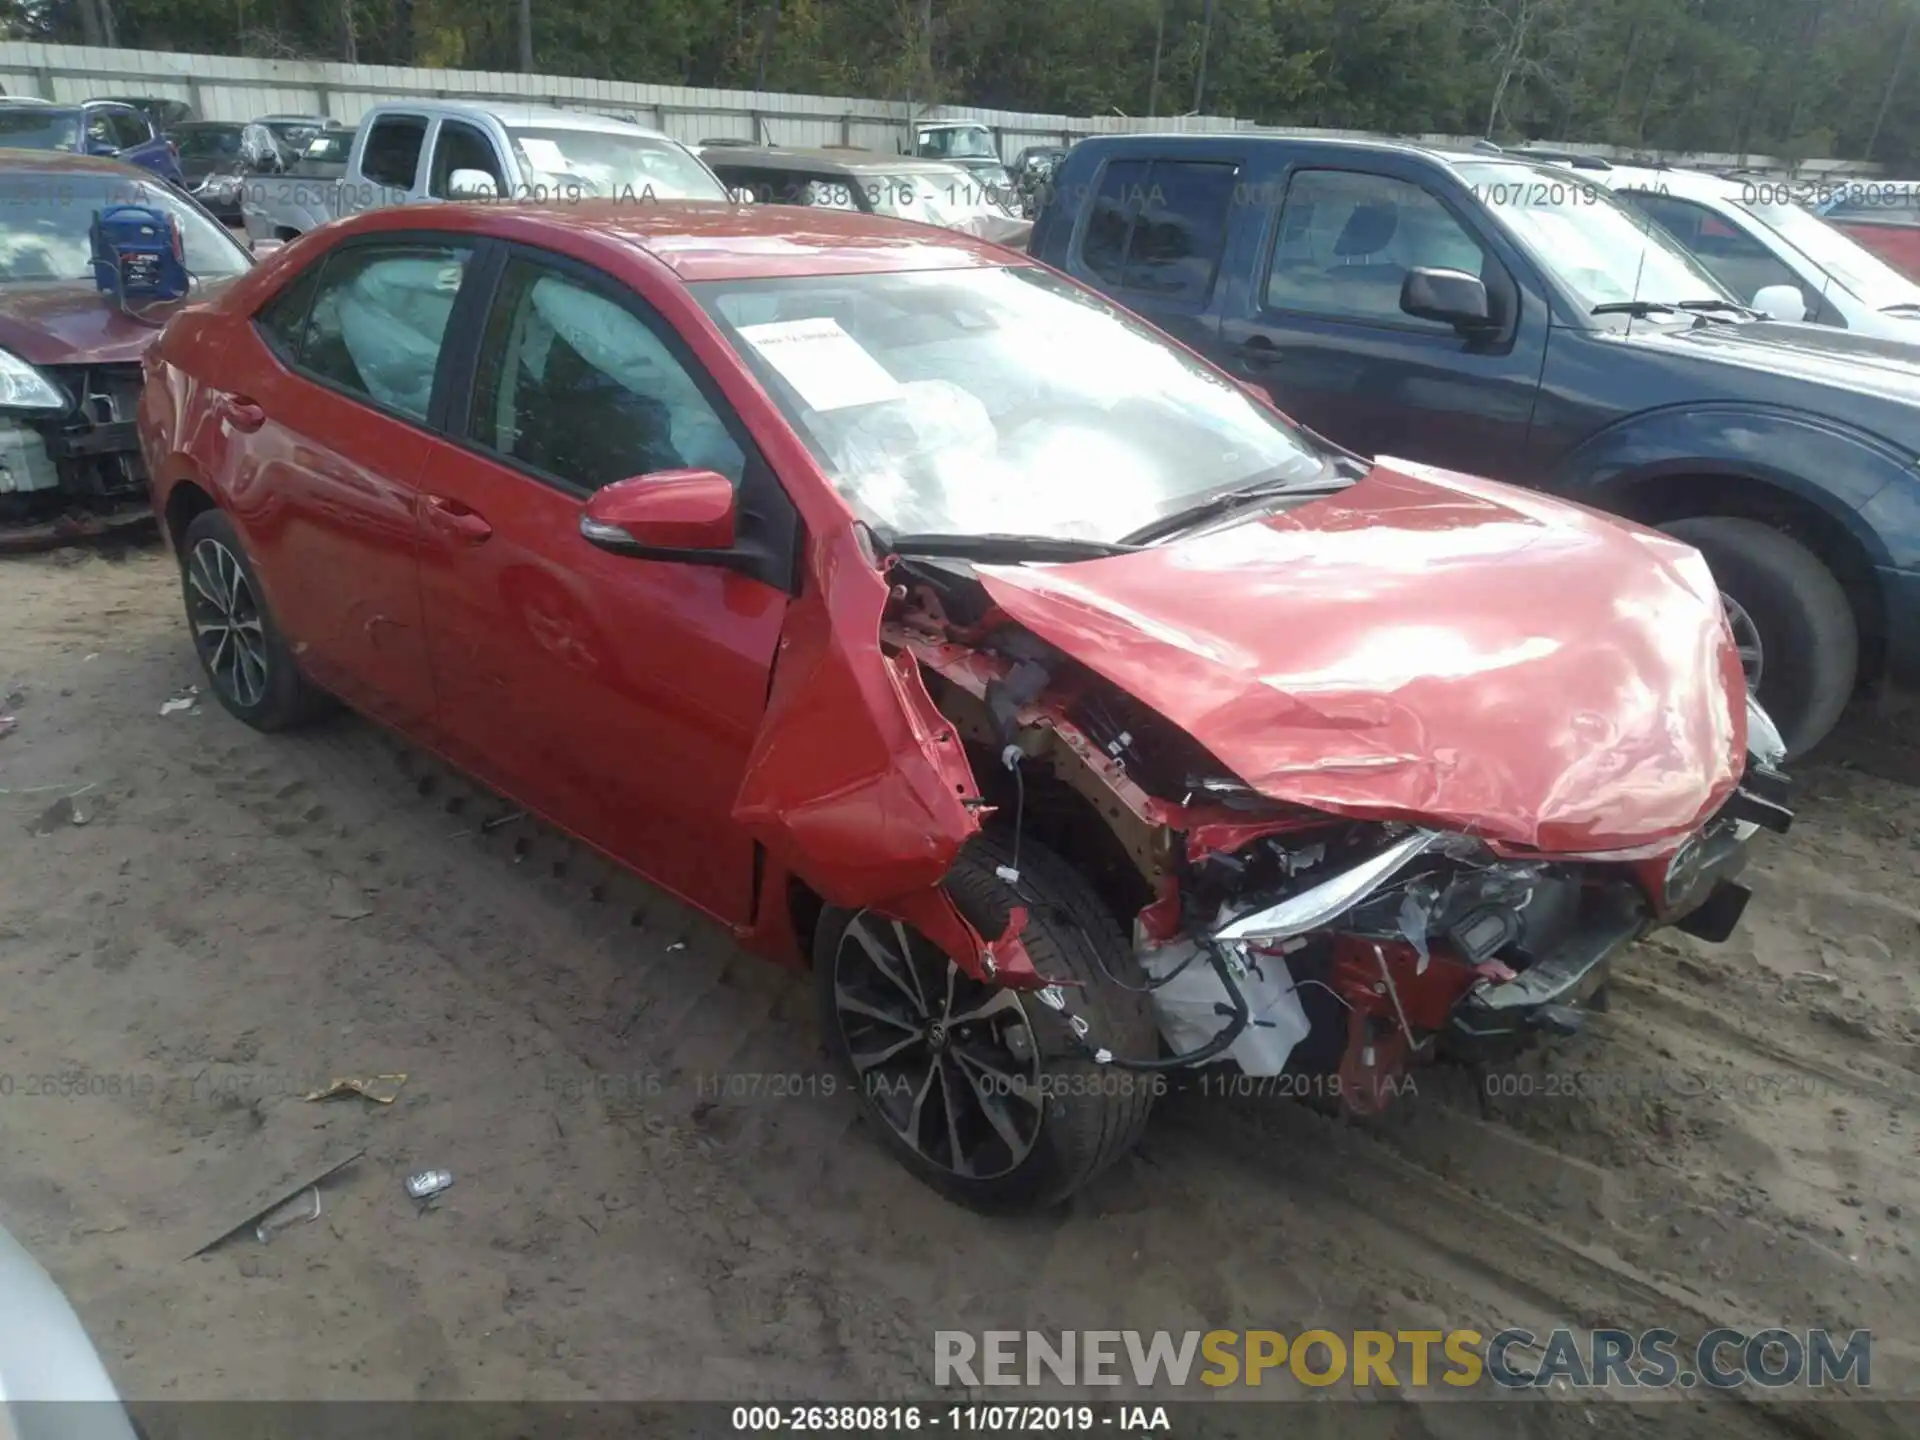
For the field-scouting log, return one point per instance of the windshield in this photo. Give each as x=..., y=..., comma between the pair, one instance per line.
x=46, y=223
x=611, y=165
x=29, y=127
x=964, y=143
x=332, y=147
x=215, y=143
x=1604, y=252
x=1870, y=279
x=999, y=400
x=296, y=135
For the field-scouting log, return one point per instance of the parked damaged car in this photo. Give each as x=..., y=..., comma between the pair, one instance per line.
x=925, y=618
x=69, y=356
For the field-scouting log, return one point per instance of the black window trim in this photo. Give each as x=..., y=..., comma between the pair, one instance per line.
x=769, y=540
x=1270, y=245
x=452, y=344
x=1236, y=163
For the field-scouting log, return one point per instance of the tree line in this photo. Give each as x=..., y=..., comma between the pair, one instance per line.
x=1799, y=78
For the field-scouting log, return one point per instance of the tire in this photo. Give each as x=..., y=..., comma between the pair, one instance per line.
x=1075, y=1116
x=1809, y=643
x=249, y=666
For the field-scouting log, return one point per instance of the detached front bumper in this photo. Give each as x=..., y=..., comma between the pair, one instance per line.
x=1495, y=1020
x=1696, y=891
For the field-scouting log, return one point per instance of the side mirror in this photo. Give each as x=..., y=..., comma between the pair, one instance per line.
x=665, y=511
x=1781, y=302
x=472, y=185
x=263, y=248
x=1452, y=297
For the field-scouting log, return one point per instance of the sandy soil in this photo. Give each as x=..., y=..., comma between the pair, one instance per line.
x=199, y=924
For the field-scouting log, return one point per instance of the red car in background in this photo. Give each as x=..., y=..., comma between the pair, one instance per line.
x=1884, y=216
x=922, y=616
x=69, y=356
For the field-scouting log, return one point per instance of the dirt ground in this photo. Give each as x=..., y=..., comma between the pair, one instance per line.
x=199, y=925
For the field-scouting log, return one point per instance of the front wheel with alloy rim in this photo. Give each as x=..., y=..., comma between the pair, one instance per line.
x=984, y=1092
x=248, y=664
x=1799, y=645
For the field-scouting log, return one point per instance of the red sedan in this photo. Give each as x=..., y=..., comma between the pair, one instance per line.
x=924, y=618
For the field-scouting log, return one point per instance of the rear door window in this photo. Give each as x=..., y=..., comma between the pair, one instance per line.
x=377, y=320
x=392, y=154
x=1157, y=226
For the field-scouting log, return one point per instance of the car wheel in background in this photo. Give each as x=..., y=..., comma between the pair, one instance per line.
x=983, y=1092
x=1796, y=631
x=247, y=662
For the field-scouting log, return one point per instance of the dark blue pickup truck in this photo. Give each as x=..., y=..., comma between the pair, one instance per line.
x=1509, y=318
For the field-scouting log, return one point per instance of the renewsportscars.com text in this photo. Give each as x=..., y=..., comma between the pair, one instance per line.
x=1515, y=1359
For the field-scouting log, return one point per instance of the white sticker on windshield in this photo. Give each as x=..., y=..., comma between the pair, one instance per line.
x=824, y=363
x=543, y=154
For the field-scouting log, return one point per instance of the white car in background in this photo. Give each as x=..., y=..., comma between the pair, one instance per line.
x=1769, y=252
x=53, y=1385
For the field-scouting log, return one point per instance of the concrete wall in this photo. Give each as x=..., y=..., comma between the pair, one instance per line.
x=225, y=87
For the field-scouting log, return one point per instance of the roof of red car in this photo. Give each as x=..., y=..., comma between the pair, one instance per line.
x=712, y=241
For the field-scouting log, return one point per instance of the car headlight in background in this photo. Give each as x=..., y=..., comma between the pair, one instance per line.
x=24, y=388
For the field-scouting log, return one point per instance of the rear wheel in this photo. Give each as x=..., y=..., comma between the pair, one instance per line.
x=247, y=662
x=983, y=1092
x=1798, y=642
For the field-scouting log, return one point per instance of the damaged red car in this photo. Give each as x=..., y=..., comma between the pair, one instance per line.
x=69, y=354
x=931, y=622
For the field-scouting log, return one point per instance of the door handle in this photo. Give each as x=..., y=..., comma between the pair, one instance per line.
x=1258, y=353
x=458, y=518
x=244, y=414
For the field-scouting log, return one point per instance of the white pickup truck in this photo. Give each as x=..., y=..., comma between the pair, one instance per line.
x=408, y=153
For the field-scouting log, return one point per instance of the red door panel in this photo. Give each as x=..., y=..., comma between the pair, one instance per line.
x=323, y=490
x=618, y=696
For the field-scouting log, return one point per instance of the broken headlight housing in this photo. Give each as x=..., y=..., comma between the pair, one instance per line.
x=1320, y=905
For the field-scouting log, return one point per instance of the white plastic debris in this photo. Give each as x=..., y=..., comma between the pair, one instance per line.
x=1188, y=1007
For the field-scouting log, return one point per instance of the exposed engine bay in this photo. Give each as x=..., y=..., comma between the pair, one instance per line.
x=79, y=472
x=1285, y=939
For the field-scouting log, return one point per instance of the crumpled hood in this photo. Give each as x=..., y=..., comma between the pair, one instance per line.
x=1430, y=647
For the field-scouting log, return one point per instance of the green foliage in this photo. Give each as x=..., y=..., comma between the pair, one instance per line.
x=1790, y=77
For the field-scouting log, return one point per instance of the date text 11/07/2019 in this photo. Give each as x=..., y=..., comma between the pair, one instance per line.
x=960, y=1419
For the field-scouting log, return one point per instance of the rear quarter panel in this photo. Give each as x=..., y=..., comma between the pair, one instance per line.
x=179, y=433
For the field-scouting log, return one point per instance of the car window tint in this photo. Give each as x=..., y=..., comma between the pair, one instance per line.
x=131, y=127
x=1103, y=249
x=283, y=319
x=392, y=154
x=461, y=147
x=1180, y=228
x=378, y=318
x=1347, y=240
x=1730, y=254
x=574, y=385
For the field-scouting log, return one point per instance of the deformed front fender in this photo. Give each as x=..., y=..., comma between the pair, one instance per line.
x=856, y=783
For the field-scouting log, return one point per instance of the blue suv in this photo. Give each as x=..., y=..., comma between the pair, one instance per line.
x=96, y=127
